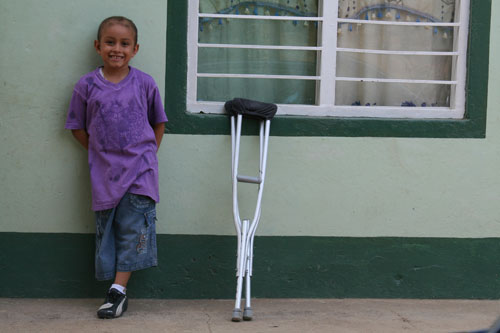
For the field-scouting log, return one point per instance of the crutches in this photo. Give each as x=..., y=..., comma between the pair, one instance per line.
x=245, y=229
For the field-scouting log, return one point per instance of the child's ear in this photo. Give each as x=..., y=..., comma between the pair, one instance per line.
x=136, y=49
x=97, y=46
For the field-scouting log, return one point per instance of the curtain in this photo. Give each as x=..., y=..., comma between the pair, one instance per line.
x=402, y=38
x=305, y=33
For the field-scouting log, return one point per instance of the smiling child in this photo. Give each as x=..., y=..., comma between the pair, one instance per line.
x=116, y=113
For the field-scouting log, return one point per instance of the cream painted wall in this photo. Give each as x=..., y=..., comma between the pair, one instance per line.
x=315, y=186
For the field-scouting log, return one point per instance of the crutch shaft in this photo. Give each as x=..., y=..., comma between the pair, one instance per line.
x=241, y=264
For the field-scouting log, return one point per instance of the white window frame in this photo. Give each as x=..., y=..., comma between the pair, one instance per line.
x=326, y=66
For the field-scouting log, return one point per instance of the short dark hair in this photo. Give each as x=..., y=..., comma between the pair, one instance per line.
x=119, y=20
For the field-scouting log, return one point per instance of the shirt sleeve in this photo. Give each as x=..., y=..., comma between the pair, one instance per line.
x=156, y=112
x=76, y=118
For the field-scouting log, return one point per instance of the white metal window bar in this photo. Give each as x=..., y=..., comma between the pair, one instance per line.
x=326, y=78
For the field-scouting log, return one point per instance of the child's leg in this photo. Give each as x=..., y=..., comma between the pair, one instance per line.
x=105, y=265
x=135, y=248
x=135, y=235
x=122, y=278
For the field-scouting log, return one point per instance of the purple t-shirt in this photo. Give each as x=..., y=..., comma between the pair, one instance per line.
x=122, y=145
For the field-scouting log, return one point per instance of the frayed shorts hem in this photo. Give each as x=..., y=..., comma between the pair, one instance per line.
x=127, y=268
x=137, y=266
x=104, y=277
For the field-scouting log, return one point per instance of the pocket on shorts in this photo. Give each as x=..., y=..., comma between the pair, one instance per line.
x=147, y=238
x=101, y=221
x=140, y=201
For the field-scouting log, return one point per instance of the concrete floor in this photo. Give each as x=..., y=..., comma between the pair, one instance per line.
x=270, y=315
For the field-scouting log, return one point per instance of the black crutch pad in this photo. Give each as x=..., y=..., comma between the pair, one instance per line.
x=252, y=109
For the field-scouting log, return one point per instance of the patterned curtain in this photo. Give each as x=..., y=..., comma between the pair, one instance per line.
x=304, y=33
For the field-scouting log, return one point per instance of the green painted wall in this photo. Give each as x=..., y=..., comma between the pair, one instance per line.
x=316, y=186
x=193, y=266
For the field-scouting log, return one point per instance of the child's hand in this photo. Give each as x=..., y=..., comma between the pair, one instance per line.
x=159, y=129
x=82, y=137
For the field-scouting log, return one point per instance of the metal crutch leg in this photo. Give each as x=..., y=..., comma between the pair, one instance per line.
x=244, y=229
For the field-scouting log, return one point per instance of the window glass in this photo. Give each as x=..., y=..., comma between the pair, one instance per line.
x=268, y=90
x=395, y=38
x=257, y=32
x=392, y=94
x=385, y=66
x=441, y=10
x=250, y=61
x=272, y=7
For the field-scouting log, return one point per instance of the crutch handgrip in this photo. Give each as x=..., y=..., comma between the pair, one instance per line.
x=248, y=179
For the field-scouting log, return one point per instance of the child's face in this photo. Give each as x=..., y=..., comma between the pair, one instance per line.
x=116, y=46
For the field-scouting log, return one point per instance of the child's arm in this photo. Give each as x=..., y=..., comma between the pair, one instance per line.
x=82, y=137
x=159, y=129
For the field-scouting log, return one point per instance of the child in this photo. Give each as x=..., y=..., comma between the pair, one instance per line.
x=116, y=113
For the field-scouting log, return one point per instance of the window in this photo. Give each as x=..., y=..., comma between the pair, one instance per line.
x=348, y=58
x=343, y=67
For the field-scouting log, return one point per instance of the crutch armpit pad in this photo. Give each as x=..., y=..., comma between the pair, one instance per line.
x=249, y=108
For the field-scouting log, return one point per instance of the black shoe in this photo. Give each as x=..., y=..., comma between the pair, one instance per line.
x=115, y=304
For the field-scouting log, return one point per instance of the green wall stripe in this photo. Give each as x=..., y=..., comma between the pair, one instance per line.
x=61, y=265
x=473, y=126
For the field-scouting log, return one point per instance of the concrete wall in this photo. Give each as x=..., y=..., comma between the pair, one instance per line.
x=330, y=186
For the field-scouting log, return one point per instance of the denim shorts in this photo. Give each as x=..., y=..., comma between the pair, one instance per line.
x=126, y=237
